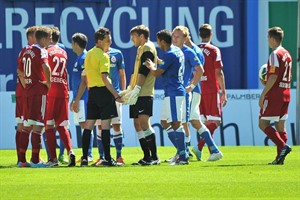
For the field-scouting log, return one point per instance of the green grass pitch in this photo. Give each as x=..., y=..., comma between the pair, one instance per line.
x=243, y=173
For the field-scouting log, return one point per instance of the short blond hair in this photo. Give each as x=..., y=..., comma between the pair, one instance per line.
x=183, y=29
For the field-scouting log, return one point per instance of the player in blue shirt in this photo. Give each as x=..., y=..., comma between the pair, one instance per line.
x=171, y=69
x=118, y=78
x=79, y=85
x=192, y=75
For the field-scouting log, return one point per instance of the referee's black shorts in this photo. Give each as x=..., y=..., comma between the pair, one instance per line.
x=143, y=106
x=101, y=104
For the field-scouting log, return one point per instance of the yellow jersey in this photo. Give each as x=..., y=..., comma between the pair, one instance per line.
x=148, y=86
x=95, y=63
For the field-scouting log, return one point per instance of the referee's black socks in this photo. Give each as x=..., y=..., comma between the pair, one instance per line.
x=86, y=137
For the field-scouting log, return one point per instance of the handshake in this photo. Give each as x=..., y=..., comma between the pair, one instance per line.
x=129, y=95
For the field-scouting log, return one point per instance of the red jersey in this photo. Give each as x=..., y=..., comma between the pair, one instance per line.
x=280, y=63
x=58, y=63
x=213, y=61
x=32, y=59
x=19, y=87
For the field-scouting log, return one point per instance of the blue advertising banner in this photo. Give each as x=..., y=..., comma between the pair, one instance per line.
x=228, y=19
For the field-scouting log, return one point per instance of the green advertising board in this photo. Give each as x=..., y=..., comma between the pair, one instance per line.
x=284, y=14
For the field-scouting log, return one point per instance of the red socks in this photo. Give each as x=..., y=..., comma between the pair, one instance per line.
x=51, y=142
x=36, y=142
x=275, y=137
x=23, y=144
x=18, y=134
x=65, y=137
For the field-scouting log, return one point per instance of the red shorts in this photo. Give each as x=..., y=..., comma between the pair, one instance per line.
x=34, y=109
x=57, y=112
x=210, y=106
x=274, y=110
x=19, y=108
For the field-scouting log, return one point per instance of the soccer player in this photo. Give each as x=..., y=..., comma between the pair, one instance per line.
x=118, y=77
x=212, y=81
x=172, y=69
x=102, y=95
x=37, y=74
x=140, y=97
x=192, y=74
x=58, y=101
x=275, y=97
x=30, y=31
x=79, y=85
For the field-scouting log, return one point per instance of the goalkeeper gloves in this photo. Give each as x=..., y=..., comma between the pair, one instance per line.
x=133, y=95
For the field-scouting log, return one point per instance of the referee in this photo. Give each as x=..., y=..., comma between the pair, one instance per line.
x=102, y=95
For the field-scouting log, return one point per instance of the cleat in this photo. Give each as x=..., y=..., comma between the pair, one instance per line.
x=98, y=163
x=197, y=153
x=283, y=153
x=155, y=162
x=52, y=163
x=215, y=156
x=62, y=159
x=23, y=164
x=109, y=163
x=172, y=159
x=142, y=162
x=39, y=165
x=180, y=162
x=274, y=162
x=120, y=161
x=84, y=162
x=72, y=160
x=90, y=158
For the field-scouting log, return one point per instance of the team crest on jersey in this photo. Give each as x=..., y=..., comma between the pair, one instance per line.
x=113, y=59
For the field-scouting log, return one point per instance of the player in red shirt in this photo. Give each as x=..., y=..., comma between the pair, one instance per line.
x=58, y=101
x=212, y=81
x=30, y=31
x=37, y=83
x=275, y=97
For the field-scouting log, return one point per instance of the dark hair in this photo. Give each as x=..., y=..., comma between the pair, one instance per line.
x=42, y=32
x=101, y=33
x=55, y=34
x=276, y=33
x=31, y=30
x=80, y=39
x=164, y=35
x=205, y=30
x=141, y=30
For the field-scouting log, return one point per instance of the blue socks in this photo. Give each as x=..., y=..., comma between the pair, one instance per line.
x=180, y=141
x=118, y=140
x=206, y=136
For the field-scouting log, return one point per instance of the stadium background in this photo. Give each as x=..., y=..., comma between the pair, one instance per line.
x=240, y=30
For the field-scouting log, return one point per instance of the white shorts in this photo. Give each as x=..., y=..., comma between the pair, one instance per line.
x=116, y=120
x=81, y=115
x=194, y=109
x=172, y=109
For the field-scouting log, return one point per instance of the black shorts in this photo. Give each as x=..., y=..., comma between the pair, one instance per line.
x=143, y=106
x=101, y=104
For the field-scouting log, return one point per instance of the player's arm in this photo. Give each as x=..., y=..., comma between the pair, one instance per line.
x=221, y=81
x=21, y=77
x=122, y=75
x=47, y=72
x=269, y=84
x=197, y=76
x=144, y=70
x=108, y=85
x=151, y=66
x=81, y=90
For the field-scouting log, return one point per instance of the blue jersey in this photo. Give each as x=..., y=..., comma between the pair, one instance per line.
x=116, y=63
x=200, y=56
x=173, y=66
x=76, y=76
x=191, y=60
